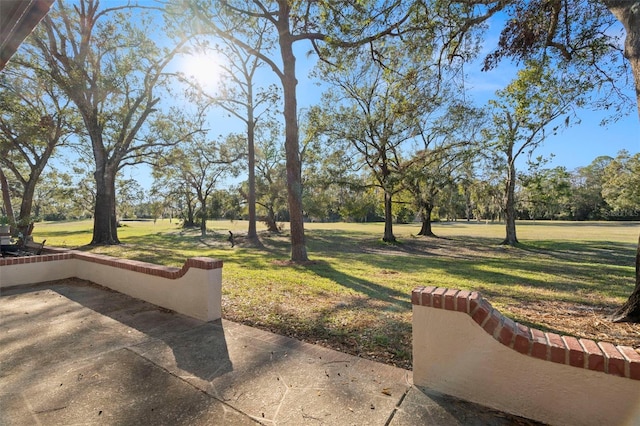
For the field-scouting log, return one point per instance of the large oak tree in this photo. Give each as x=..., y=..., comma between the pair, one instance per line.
x=106, y=62
x=199, y=165
x=376, y=113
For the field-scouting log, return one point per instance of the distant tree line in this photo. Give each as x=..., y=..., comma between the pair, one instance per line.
x=606, y=189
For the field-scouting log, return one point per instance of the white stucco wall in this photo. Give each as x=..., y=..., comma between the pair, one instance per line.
x=30, y=273
x=198, y=293
x=454, y=355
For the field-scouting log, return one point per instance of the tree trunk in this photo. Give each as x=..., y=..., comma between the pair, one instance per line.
x=105, y=223
x=6, y=198
x=270, y=220
x=388, y=219
x=203, y=223
x=189, y=221
x=628, y=13
x=291, y=144
x=630, y=311
x=426, y=222
x=510, y=206
x=203, y=214
x=24, y=221
x=252, y=234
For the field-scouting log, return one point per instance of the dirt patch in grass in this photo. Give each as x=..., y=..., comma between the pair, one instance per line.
x=356, y=325
x=582, y=321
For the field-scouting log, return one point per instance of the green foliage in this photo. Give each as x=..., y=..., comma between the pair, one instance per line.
x=35, y=120
x=129, y=194
x=538, y=96
x=63, y=196
x=451, y=145
x=580, y=37
x=198, y=166
x=621, y=184
x=587, y=202
x=546, y=193
x=271, y=181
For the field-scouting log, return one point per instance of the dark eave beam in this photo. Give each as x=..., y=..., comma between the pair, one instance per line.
x=18, y=18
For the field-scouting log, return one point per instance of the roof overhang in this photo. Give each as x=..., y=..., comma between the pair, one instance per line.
x=18, y=18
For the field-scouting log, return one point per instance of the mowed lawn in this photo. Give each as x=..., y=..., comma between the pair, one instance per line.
x=354, y=294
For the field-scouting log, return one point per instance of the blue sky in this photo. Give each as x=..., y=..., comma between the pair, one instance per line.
x=577, y=145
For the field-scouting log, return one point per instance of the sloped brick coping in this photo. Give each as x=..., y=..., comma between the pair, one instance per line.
x=172, y=273
x=622, y=361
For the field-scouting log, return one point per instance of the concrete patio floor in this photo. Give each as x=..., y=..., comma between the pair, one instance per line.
x=74, y=353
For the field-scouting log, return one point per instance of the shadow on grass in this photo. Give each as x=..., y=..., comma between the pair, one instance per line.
x=369, y=288
x=66, y=233
x=568, y=270
x=565, y=269
x=366, y=319
x=170, y=249
x=598, y=252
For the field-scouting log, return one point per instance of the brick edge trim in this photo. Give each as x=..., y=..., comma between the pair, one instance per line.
x=623, y=361
x=54, y=254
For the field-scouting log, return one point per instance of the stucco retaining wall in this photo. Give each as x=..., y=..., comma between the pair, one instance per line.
x=463, y=347
x=194, y=290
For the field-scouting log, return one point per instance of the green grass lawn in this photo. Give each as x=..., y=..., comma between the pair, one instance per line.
x=354, y=295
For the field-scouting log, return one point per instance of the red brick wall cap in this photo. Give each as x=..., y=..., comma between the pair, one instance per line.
x=605, y=357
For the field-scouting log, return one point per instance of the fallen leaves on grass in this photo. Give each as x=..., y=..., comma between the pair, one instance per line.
x=582, y=321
